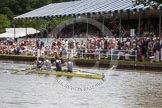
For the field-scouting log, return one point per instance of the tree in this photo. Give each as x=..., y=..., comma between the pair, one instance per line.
x=12, y=8
x=4, y=23
x=153, y=3
x=158, y=1
x=7, y=11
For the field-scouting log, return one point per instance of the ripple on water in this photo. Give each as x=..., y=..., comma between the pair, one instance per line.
x=119, y=90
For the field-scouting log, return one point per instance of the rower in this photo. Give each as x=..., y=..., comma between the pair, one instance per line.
x=38, y=63
x=47, y=63
x=69, y=65
x=58, y=64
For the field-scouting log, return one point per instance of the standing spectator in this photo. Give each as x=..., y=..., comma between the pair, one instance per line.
x=157, y=48
x=39, y=44
x=143, y=50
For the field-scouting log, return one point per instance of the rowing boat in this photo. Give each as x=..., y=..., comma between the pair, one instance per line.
x=63, y=73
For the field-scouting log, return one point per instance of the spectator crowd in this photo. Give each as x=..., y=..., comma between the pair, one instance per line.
x=145, y=47
x=141, y=49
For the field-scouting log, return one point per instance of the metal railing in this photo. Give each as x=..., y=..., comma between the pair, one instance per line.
x=102, y=54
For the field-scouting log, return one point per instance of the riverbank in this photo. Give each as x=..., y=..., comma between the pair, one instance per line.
x=105, y=63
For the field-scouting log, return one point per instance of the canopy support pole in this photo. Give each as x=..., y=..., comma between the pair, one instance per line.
x=103, y=26
x=59, y=36
x=139, y=24
x=120, y=34
x=14, y=32
x=46, y=29
x=73, y=26
x=87, y=28
x=26, y=30
x=36, y=29
x=128, y=18
x=160, y=24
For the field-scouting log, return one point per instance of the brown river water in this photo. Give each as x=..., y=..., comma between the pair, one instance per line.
x=119, y=89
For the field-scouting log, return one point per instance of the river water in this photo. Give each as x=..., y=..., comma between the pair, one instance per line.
x=119, y=89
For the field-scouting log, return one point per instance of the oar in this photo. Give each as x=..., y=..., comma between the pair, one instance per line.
x=88, y=72
x=17, y=70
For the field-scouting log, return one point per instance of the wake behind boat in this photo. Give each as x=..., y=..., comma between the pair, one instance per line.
x=64, y=73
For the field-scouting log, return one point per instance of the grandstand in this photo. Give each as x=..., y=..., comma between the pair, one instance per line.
x=119, y=16
x=123, y=25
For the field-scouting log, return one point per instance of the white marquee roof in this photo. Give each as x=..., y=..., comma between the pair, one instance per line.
x=82, y=7
x=19, y=32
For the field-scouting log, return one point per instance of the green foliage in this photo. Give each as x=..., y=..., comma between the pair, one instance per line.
x=4, y=22
x=40, y=24
x=7, y=11
x=158, y=1
x=57, y=1
x=146, y=2
x=12, y=8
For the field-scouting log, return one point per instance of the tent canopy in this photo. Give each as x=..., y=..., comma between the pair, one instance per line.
x=19, y=32
x=82, y=7
x=6, y=35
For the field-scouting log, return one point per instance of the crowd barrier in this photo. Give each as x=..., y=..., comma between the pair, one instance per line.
x=102, y=54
